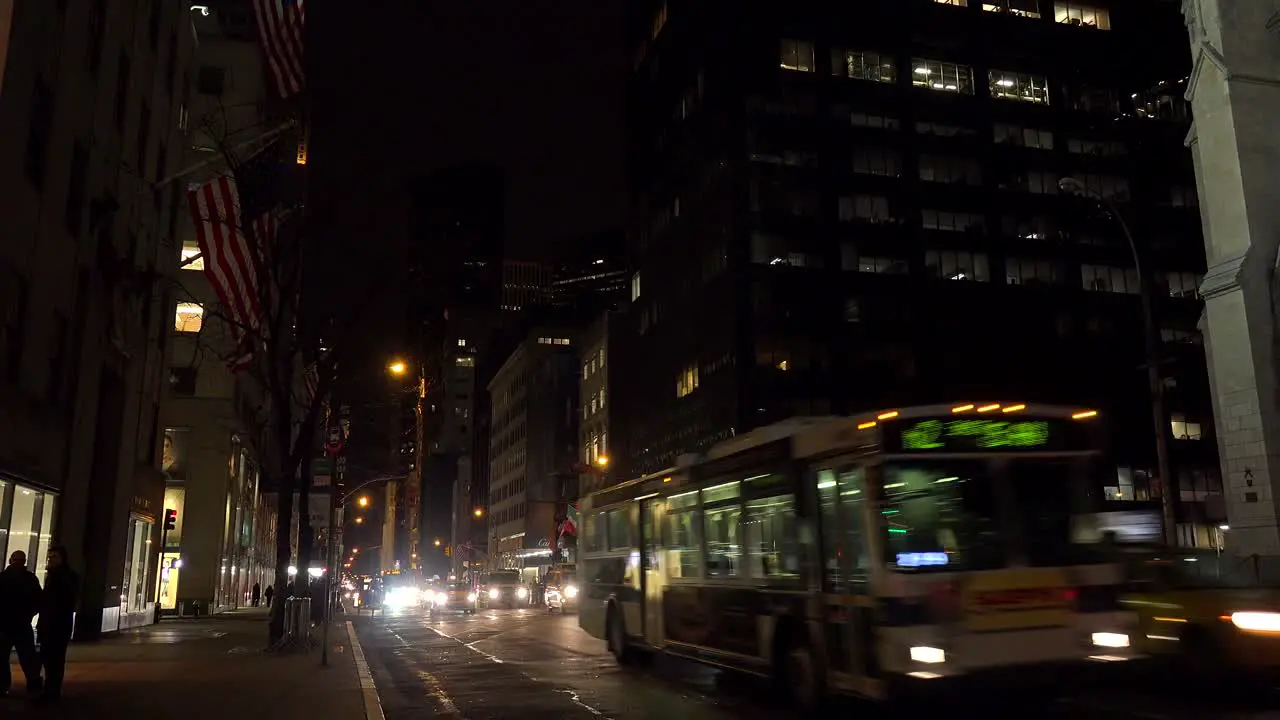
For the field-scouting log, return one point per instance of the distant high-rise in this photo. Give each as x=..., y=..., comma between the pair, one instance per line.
x=590, y=272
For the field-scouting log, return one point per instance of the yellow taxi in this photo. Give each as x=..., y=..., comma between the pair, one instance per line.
x=1214, y=612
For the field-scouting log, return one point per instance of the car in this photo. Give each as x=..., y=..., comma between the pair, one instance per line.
x=561, y=590
x=1212, y=613
x=502, y=588
x=456, y=597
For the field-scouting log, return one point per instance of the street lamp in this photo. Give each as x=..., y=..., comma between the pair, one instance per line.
x=437, y=542
x=478, y=512
x=1155, y=384
x=399, y=367
x=363, y=502
x=603, y=461
x=359, y=520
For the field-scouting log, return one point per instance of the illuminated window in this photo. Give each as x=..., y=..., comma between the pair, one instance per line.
x=465, y=361
x=1037, y=227
x=870, y=208
x=635, y=287
x=1073, y=13
x=861, y=65
x=957, y=265
x=1103, y=278
x=462, y=342
x=958, y=171
x=1183, y=430
x=873, y=121
x=951, y=221
x=1183, y=284
x=944, y=76
x=188, y=317
x=876, y=161
x=1023, y=137
x=1029, y=272
x=876, y=265
x=687, y=381
x=1096, y=147
x=797, y=55
x=1021, y=8
x=1107, y=186
x=1008, y=85
x=190, y=249
x=957, y=3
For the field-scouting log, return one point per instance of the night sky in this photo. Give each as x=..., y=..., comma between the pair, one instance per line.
x=534, y=88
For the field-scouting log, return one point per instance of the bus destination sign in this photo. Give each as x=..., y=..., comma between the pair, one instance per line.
x=977, y=435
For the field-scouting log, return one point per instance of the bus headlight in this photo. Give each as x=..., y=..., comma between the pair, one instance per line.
x=571, y=591
x=493, y=594
x=471, y=597
x=931, y=655
x=1256, y=621
x=522, y=593
x=1110, y=640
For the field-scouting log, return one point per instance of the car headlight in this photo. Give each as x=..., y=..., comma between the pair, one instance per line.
x=925, y=654
x=442, y=598
x=571, y=591
x=522, y=593
x=493, y=594
x=471, y=597
x=1256, y=621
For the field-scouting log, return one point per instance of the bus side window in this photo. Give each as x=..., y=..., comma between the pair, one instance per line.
x=841, y=506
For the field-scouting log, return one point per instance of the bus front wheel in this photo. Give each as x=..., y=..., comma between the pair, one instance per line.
x=796, y=670
x=617, y=637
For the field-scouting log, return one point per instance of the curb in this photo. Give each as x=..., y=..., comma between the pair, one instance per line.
x=369, y=691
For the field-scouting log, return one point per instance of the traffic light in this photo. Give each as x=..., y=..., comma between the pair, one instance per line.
x=170, y=519
x=448, y=551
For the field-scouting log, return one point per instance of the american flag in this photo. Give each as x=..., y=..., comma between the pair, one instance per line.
x=232, y=263
x=280, y=24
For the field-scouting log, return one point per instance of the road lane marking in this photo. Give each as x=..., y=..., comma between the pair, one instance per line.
x=368, y=690
x=434, y=689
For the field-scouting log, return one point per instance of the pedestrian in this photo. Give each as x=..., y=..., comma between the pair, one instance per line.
x=57, y=617
x=268, y=594
x=19, y=602
x=255, y=595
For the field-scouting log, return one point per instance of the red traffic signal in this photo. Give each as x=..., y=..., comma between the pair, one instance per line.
x=170, y=519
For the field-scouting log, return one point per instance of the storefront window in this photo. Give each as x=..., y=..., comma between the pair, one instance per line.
x=173, y=458
x=26, y=523
x=137, y=564
x=169, y=568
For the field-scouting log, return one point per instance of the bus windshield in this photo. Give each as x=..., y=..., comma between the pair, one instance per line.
x=503, y=577
x=949, y=515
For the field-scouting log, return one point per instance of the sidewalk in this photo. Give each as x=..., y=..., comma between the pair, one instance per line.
x=205, y=669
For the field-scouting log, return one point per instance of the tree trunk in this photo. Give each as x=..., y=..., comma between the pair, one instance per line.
x=284, y=523
x=306, y=534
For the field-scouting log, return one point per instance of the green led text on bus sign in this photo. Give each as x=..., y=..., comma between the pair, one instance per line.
x=937, y=434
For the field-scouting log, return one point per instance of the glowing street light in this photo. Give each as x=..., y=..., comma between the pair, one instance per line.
x=602, y=461
x=437, y=542
x=398, y=367
x=355, y=550
x=478, y=512
x=359, y=520
x=363, y=502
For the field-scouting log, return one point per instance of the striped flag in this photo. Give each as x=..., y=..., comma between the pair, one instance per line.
x=280, y=24
x=231, y=261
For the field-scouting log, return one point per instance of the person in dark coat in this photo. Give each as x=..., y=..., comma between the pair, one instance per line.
x=268, y=593
x=19, y=602
x=57, y=619
x=255, y=595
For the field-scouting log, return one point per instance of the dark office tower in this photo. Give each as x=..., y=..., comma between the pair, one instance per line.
x=846, y=206
x=590, y=272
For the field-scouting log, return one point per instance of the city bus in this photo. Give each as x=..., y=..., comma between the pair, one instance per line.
x=882, y=555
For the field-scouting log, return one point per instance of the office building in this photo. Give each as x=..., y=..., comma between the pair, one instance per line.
x=93, y=118
x=839, y=208
x=533, y=447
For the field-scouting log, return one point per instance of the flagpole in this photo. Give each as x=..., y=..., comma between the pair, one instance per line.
x=222, y=157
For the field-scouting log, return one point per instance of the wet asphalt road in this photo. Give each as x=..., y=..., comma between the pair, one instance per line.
x=505, y=664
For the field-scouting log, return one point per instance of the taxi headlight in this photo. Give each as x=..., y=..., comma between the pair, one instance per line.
x=1110, y=640
x=471, y=597
x=442, y=598
x=522, y=593
x=571, y=591
x=493, y=594
x=1256, y=621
